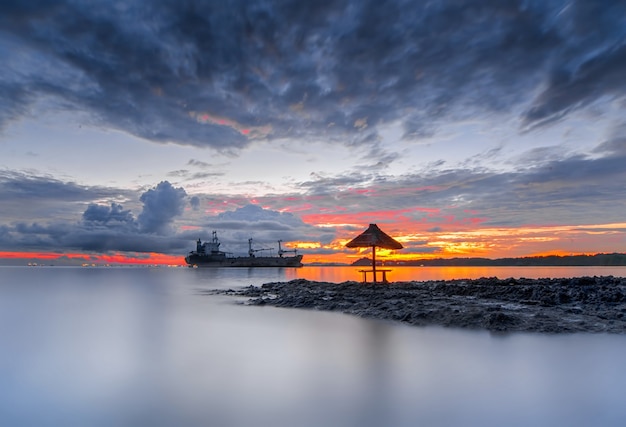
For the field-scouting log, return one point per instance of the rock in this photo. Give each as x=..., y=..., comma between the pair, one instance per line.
x=584, y=304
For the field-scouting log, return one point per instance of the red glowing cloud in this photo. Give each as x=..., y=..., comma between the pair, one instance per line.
x=248, y=131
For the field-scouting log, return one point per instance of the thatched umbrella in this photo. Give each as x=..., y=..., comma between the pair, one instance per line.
x=374, y=237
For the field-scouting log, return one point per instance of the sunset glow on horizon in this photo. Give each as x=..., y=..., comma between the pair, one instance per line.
x=47, y=258
x=492, y=243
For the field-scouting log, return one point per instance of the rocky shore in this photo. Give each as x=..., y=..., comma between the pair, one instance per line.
x=583, y=304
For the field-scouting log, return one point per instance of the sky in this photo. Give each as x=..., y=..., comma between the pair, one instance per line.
x=463, y=128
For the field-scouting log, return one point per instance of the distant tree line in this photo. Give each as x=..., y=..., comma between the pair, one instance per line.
x=615, y=259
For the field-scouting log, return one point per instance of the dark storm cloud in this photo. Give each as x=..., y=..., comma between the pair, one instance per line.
x=107, y=240
x=32, y=195
x=105, y=228
x=106, y=214
x=590, y=66
x=160, y=206
x=219, y=74
x=67, y=237
x=24, y=186
x=602, y=75
x=112, y=228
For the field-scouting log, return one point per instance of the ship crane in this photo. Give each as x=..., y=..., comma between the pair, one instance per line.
x=251, y=251
x=281, y=251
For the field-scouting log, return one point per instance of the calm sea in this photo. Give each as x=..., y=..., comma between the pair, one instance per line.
x=145, y=347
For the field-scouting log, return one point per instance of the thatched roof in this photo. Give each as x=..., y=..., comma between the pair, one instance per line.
x=374, y=236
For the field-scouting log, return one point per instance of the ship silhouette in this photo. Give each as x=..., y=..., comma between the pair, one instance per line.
x=208, y=254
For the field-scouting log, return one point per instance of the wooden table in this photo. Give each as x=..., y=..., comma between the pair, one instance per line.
x=383, y=271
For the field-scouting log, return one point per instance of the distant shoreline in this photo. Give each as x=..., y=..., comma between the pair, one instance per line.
x=583, y=304
x=597, y=260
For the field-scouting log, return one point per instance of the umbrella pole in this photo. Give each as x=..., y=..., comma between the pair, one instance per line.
x=374, y=262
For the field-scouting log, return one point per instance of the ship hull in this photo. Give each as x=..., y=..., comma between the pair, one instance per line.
x=210, y=261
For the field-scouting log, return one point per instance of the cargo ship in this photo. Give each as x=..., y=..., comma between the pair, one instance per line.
x=208, y=254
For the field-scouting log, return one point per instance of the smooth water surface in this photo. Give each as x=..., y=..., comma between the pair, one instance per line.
x=146, y=347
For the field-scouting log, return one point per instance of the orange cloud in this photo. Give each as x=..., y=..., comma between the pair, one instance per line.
x=251, y=132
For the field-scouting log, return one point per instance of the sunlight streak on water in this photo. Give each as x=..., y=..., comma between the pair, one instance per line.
x=128, y=347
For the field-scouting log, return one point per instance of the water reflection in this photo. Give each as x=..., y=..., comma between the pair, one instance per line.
x=143, y=347
x=221, y=277
x=342, y=274
x=376, y=407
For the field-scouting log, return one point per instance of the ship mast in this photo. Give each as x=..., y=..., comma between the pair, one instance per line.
x=252, y=251
x=281, y=251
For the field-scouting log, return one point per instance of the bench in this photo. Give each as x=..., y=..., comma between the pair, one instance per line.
x=383, y=271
